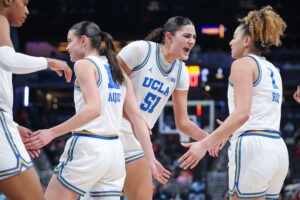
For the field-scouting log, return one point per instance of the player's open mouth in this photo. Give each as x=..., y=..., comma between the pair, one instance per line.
x=187, y=50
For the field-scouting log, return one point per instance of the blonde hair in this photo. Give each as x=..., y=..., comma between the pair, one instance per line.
x=265, y=26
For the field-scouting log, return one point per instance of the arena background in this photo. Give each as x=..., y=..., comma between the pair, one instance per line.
x=43, y=99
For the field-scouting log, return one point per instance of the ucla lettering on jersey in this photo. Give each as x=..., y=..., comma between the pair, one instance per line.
x=153, y=86
x=112, y=98
x=266, y=101
x=156, y=85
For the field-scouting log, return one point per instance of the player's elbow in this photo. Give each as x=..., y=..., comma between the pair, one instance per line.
x=181, y=125
x=7, y=64
x=243, y=116
x=95, y=112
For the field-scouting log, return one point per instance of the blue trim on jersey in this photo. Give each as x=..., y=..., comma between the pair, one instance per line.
x=263, y=133
x=94, y=135
x=259, y=70
x=99, y=74
x=58, y=170
x=106, y=194
x=69, y=185
x=179, y=72
x=145, y=60
x=161, y=69
x=135, y=157
x=235, y=190
x=21, y=162
x=272, y=196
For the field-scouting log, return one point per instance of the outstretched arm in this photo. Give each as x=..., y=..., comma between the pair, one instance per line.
x=141, y=130
x=241, y=71
x=85, y=74
x=19, y=63
x=182, y=121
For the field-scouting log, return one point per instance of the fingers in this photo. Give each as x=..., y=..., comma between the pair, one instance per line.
x=29, y=139
x=68, y=74
x=216, y=151
x=186, y=144
x=185, y=156
x=219, y=122
x=31, y=154
x=34, y=143
x=167, y=174
x=188, y=162
x=195, y=163
x=161, y=179
x=222, y=145
x=59, y=73
x=213, y=152
x=160, y=173
x=164, y=177
x=36, y=152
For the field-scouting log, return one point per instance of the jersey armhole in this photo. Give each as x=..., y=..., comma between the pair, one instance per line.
x=99, y=75
x=255, y=83
x=140, y=66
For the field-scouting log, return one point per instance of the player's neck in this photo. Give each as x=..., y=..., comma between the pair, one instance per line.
x=166, y=52
x=91, y=52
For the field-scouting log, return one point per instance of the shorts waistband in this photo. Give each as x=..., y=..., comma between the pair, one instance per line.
x=94, y=135
x=263, y=133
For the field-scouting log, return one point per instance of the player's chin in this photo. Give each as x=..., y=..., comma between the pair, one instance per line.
x=184, y=57
x=72, y=58
x=17, y=24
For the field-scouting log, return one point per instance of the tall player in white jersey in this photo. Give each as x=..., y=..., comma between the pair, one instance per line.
x=258, y=158
x=156, y=69
x=93, y=160
x=18, y=179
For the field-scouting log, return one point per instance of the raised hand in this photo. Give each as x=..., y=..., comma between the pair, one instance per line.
x=59, y=67
x=193, y=155
x=39, y=139
x=159, y=172
x=25, y=133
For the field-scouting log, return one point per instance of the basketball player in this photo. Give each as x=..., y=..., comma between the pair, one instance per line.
x=155, y=67
x=93, y=160
x=18, y=179
x=297, y=94
x=258, y=157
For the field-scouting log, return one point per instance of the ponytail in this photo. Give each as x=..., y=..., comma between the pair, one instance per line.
x=172, y=26
x=93, y=32
x=110, y=51
x=156, y=35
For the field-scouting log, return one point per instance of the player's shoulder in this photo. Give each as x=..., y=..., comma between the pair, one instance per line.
x=141, y=44
x=244, y=63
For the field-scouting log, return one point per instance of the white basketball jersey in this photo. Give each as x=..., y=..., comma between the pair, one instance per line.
x=112, y=99
x=6, y=91
x=152, y=85
x=266, y=100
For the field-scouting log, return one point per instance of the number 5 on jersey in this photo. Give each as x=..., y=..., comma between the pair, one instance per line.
x=150, y=102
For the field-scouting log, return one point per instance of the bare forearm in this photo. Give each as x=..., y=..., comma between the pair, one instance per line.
x=192, y=130
x=233, y=122
x=144, y=138
x=81, y=118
